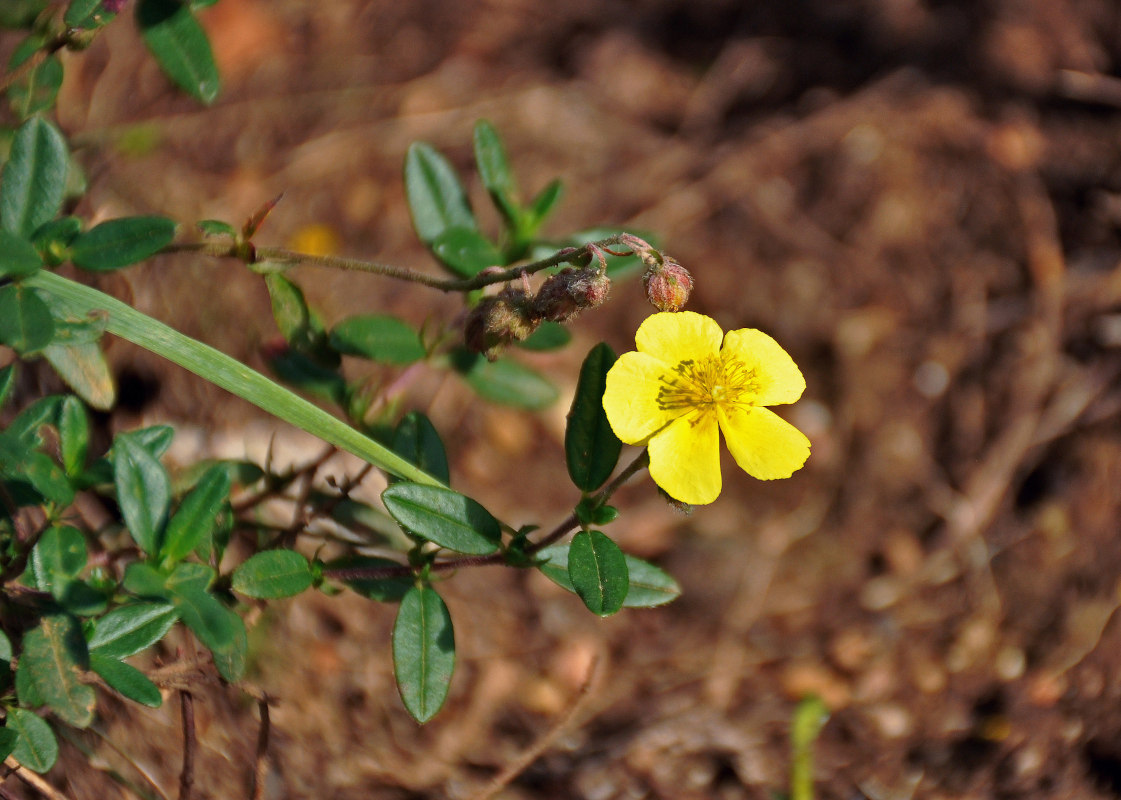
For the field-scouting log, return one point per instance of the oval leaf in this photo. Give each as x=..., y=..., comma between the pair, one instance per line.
x=649, y=586
x=17, y=256
x=273, y=573
x=495, y=172
x=73, y=434
x=507, y=382
x=179, y=44
x=423, y=652
x=598, y=572
x=143, y=491
x=57, y=558
x=379, y=338
x=416, y=440
x=36, y=748
x=55, y=655
x=127, y=630
x=117, y=243
x=25, y=320
x=591, y=448
x=126, y=679
x=85, y=370
x=543, y=203
x=8, y=739
x=33, y=182
x=437, y=200
x=449, y=519
x=197, y=515
x=465, y=251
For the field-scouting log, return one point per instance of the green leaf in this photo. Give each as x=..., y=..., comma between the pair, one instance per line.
x=231, y=661
x=25, y=320
x=5, y=647
x=197, y=516
x=179, y=44
x=598, y=571
x=216, y=227
x=465, y=251
x=156, y=439
x=7, y=381
x=383, y=590
x=55, y=655
x=26, y=691
x=591, y=447
x=307, y=375
x=447, y=518
x=38, y=89
x=379, y=338
x=273, y=573
x=79, y=11
x=649, y=586
x=45, y=475
x=495, y=172
x=73, y=434
x=58, y=558
x=417, y=441
x=117, y=243
x=423, y=652
x=8, y=740
x=84, y=369
x=20, y=13
x=505, y=382
x=543, y=204
x=53, y=239
x=18, y=256
x=128, y=629
x=34, y=179
x=548, y=336
x=27, y=423
x=36, y=748
x=218, y=628
x=143, y=491
x=289, y=308
x=126, y=679
x=437, y=200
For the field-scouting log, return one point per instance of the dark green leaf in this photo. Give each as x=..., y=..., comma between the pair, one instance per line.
x=417, y=441
x=155, y=438
x=55, y=655
x=20, y=13
x=231, y=661
x=8, y=739
x=440, y=515
x=649, y=585
x=37, y=90
x=379, y=338
x=25, y=320
x=505, y=382
x=218, y=628
x=543, y=203
x=84, y=369
x=34, y=179
x=197, y=515
x=36, y=747
x=591, y=448
x=26, y=691
x=180, y=46
x=27, y=423
x=143, y=491
x=598, y=571
x=126, y=679
x=58, y=558
x=53, y=239
x=423, y=652
x=384, y=590
x=495, y=172
x=18, y=257
x=548, y=336
x=73, y=434
x=79, y=11
x=128, y=629
x=273, y=573
x=305, y=374
x=465, y=251
x=47, y=477
x=216, y=227
x=7, y=381
x=437, y=200
x=117, y=243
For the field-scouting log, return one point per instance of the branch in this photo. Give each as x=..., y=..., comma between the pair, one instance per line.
x=187, y=776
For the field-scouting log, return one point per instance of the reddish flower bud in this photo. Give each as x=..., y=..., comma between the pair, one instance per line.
x=667, y=283
x=498, y=320
x=569, y=292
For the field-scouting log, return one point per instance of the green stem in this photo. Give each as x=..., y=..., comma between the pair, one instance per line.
x=126, y=322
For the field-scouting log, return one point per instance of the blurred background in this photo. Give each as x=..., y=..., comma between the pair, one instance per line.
x=920, y=200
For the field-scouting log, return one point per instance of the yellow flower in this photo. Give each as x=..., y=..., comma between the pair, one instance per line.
x=687, y=382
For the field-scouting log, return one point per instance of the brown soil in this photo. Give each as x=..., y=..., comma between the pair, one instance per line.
x=921, y=201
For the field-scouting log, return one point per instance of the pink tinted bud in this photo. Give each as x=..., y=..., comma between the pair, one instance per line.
x=569, y=292
x=668, y=284
x=113, y=6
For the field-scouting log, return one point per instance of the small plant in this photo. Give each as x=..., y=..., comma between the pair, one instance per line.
x=79, y=599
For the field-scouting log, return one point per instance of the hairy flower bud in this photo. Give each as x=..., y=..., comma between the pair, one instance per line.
x=498, y=320
x=667, y=284
x=569, y=292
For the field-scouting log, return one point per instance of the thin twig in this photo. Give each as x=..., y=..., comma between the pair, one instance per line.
x=261, y=767
x=187, y=776
x=34, y=781
x=534, y=751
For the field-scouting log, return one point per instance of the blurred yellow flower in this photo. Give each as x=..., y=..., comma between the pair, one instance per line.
x=688, y=381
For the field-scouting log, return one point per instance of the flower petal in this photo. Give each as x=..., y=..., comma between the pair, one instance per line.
x=679, y=336
x=780, y=381
x=764, y=444
x=685, y=459
x=630, y=398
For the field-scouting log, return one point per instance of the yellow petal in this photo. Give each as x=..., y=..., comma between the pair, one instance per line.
x=678, y=336
x=685, y=459
x=778, y=377
x=630, y=399
x=764, y=444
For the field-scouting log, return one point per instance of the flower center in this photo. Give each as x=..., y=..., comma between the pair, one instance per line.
x=704, y=384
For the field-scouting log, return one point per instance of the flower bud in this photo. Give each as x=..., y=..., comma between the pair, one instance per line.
x=569, y=292
x=667, y=284
x=498, y=320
